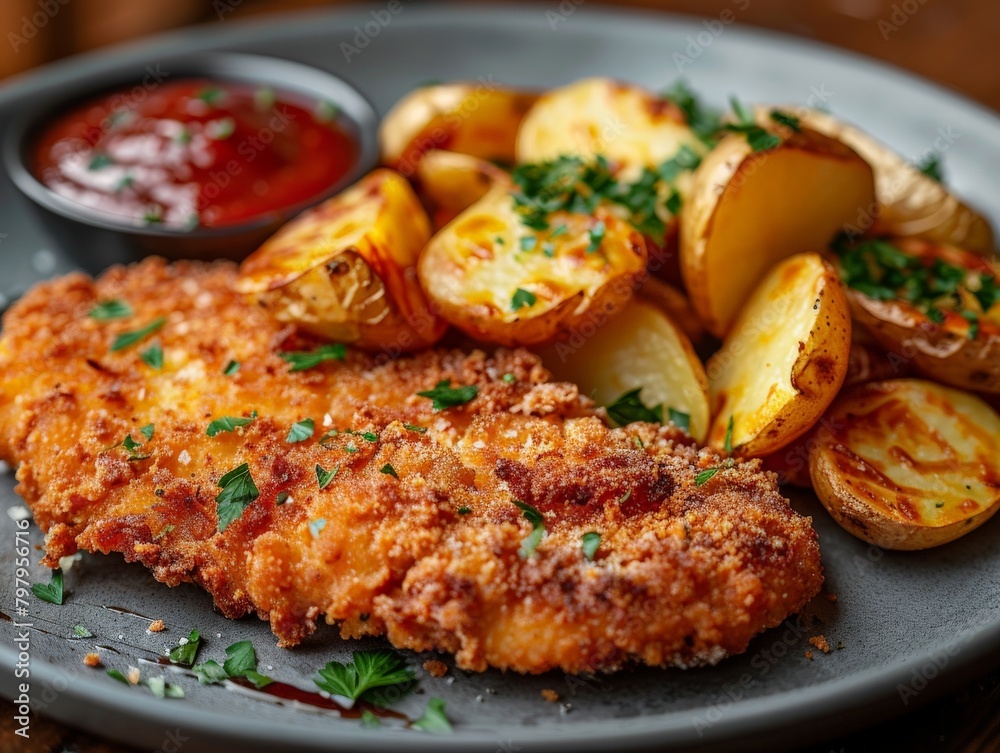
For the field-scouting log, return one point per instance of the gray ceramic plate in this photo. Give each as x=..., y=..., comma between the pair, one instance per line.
x=911, y=625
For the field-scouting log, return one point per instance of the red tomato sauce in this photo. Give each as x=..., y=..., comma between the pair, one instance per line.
x=194, y=153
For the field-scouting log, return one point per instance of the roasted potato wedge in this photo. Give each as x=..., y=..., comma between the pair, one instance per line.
x=784, y=360
x=500, y=282
x=908, y=464
x=346, y=269
x=480, y=119
x=630, y=126
x=910, y=203
x=748, y=210
x=894, y=287
x=676, y=304
x=448, y=183
x=640, y=347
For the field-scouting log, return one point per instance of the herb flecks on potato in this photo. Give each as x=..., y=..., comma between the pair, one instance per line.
x=935, y=306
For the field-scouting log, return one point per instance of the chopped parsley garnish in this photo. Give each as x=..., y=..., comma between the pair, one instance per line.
x=52, y=592
x=759, y=139
x=931, y=167
x=147, y=431
x=530, y=542
x=302, y=360
x=418, y=429
x=240, y=659
x=703, y=477
x=238, y=492
x=316, y=526
x=131, y=447
x=100, y=161
x=880, y=270
x=786, y=119
x=185, y=653
x=522, y=298
x=127, y=339
x=596, y=235
x=229, y=423
x=369, y=720
x=282, y=497
x=153, y=356
x=727, y=443
x=153, y=216
x=509, y=378
x=368, y=436
x=629, y=407
x=590, y=542
x=680, y=419
x=704, y=121
x=114, y=674
x=434, y=719
x=574, y=185
x=326, y=111
x=82, y=632
x=231, y=368
x=220, y=129
x=325, y=477
x=209, y=672
x=211, y=95
x=112, y=309
x=368, y=670
x=463, y=510
x=301, y=431
x=160, y=688
x=444, y=396
x=388, y=470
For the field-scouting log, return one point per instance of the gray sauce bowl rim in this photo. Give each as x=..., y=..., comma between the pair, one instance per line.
x=355, y=114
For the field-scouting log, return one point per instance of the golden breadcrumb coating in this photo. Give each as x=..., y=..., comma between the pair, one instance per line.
x=427, y=554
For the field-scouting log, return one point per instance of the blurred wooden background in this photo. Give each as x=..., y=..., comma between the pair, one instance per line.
x=950, y=41
x=953, y=42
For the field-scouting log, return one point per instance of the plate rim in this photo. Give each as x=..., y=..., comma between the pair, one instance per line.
x=862, y=694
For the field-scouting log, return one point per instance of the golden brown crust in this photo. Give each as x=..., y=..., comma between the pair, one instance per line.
x=684, y=575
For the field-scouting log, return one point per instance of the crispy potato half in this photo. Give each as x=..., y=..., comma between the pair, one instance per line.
x=500, y=282
x=784, y=360
x=910, y=203
x=639, y=348
x=346, y=269
x=480, y=119
x=630, y=126
x=748, y=210
x=448, y=183
x=933, y=307
x=907, y=463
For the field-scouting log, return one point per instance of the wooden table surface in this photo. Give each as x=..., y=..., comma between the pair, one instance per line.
x=954, y=42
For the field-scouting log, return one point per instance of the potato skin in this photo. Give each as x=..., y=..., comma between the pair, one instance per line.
x=943, y=351
x=728, y=237
x=784, y=360
x=909, y=202
x=472, y=269
x=907, y=463
x=480, y=119
x=346, y=269
x=448, y=183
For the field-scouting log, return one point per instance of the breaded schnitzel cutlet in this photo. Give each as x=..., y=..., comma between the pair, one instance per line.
x=417, y=536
